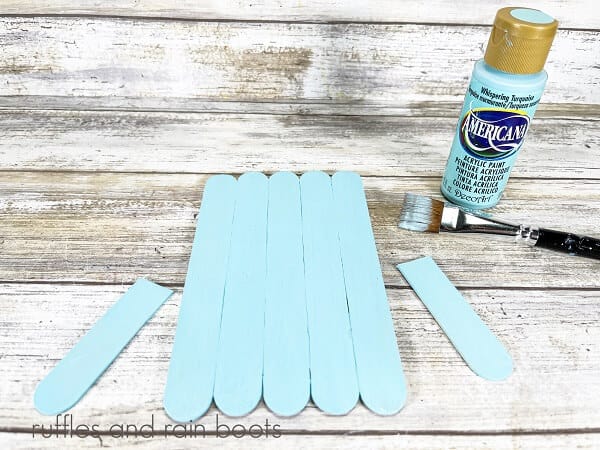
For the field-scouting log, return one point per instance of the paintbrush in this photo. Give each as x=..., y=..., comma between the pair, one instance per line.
x=420, y=213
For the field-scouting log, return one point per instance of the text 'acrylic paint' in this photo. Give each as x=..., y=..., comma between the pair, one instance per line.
x=501, y=100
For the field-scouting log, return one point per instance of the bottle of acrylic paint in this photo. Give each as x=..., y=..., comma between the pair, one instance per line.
x=505, y=89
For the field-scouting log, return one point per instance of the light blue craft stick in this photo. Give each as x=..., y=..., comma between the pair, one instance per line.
x=380, y=376
x=286, y=378
x=334, y=387
x=238, y=382
x=70, y=379
x=477, y=345
x=191, y=377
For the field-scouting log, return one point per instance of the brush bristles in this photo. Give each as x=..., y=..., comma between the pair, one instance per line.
x=420, y=213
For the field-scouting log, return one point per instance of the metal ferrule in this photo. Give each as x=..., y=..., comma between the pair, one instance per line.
x=456, y=220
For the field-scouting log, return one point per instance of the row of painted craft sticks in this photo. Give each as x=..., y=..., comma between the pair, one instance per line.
x=284, y=300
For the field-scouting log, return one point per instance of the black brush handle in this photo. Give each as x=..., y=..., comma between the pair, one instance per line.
x=568, y=243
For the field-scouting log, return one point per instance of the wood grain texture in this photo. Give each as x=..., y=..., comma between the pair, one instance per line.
x=551, y=335
x=257, y=62
x=435, y=11
x=421, y=442
x=114, y=114
x=112, y=228
x=300, y=107
x=204, y=143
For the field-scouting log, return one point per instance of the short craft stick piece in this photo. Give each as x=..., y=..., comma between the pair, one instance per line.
x=70, y=379
x=477, y=345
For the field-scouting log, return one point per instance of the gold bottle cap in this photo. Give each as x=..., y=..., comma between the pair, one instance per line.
x=520, y=40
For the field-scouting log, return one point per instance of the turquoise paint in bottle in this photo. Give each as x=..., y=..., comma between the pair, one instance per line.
x=505, y=89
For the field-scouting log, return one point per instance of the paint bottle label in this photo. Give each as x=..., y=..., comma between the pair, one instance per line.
x=505, y=90
x=490, y=131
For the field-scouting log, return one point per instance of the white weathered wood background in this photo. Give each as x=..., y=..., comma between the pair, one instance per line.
x=113, y=114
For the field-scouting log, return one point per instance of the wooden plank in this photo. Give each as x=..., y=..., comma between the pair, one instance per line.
x=286, y=367
x=239, y=369
x=552, y=336
x=256, y=62
x=427, y=442
x=306, y=106
x=379, y=370
x=191, y=377
x=471, y=11
x=114, y=228
x=333, y=376
x=204, y=143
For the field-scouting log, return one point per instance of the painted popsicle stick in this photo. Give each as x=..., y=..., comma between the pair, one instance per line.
x=70, y=379
x=475, y=342
x=286, y=378
x=191, y=377
x=380, y=376
x=334, y=387
x=238, y=382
